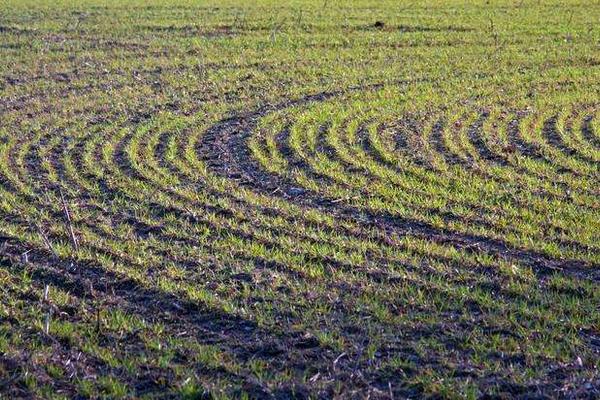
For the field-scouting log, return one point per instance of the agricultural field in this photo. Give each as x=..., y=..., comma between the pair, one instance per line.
x=304, y=199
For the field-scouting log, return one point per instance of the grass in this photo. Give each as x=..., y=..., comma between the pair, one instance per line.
x=367, y=199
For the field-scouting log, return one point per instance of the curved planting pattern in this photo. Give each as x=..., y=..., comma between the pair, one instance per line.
x=309, y=201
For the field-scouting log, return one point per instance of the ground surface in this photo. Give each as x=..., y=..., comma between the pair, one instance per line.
x=318, y=199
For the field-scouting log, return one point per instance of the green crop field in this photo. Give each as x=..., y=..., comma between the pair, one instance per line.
x=304, y=199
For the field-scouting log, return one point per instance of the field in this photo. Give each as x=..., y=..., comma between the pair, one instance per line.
x=300, y=199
